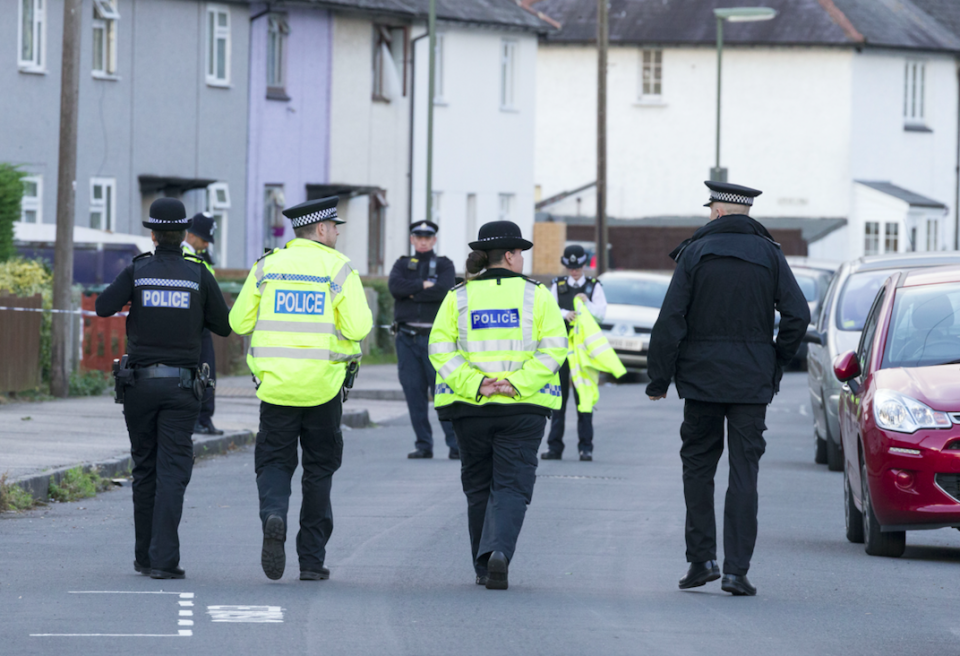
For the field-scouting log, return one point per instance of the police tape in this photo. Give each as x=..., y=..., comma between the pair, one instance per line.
x=86, y=313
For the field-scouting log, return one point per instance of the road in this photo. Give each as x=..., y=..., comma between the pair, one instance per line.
x=595, y=572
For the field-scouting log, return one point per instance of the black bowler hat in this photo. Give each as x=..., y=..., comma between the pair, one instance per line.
x=500, y=234
x=725, y=192
x=203, y=226
x=313, y=211
x=167, y=214
x=574, y=257
x=424, y=228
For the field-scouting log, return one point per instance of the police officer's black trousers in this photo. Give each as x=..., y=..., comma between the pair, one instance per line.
x=160, y=418
x=558, y=422
x=275, y=459
x=702, y=435
x=207, y=406
x=418, y=377
x=498, y=467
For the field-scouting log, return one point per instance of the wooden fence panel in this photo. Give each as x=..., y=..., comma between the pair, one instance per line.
x=104, y=338
x=20, y=344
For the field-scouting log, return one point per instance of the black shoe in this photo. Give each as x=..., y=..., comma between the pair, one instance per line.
x=210, y=429
x=320, y=575
x=586, y=456
x=737, y=585
x=142, y=569
x=700, y=574
x=497, y=571
x=272, y=557
x=550, y=455
x=420, y=454
x=482, y=579
x=454, y=454
x=200, y=429
x=177, y=573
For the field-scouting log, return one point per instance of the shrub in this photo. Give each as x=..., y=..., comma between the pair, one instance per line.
x=14, y=497
x=11, y=194
x=89, y=383
x=24, y=277
x=77, y=484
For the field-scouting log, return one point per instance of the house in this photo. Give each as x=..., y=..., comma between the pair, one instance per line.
x=844, y=112
x=338, y=105
x=162, y=111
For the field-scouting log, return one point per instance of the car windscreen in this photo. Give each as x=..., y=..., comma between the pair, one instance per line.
x=635, y=291
x=925, y=327
x=808, y=285
x=857, y=296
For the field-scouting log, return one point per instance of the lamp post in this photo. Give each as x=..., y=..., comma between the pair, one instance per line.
x=734, y=15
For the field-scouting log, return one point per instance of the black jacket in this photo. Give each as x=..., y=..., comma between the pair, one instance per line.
x=172, y=299
x=714, y=336
x=413, y=303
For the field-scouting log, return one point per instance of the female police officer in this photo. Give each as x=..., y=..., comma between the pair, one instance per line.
x=497, y=344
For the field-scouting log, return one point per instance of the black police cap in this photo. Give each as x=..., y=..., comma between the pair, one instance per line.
x=574, y=256
x=725, y=192
x=313, y=211
x=500, y=234
x=425, y=228
x=203, y=226
x=167, y=214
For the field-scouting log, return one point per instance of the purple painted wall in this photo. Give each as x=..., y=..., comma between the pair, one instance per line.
x=289, y=139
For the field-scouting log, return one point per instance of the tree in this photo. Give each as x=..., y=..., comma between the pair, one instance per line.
x=11, y=194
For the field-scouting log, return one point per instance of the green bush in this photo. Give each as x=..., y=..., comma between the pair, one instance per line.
x=14, y=497
x=11, y=194
x=384, y=317
x=25, y=278
x=89, y=383
x=77, y=484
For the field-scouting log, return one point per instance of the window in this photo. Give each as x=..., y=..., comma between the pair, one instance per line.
x=651, y=75
x=891, y=242
x=471, y=217
x=31, y=30
x=914, y=92
x=389, y=57
x=103, y=203
x=508, y=56
x=105, y=19
x=218, y=202
x=273, y=203
x=869, y=331
x=376, y=232
x=506, y=206
x=218, y=45
x=277, y=56
x=933, y=233
x=438, y=95
x=871, y=240
x=31, y=207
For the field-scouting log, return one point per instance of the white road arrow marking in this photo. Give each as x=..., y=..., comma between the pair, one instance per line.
x=261, y=614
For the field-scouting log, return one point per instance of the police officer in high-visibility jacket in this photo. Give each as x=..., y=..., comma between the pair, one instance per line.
x=497, y=344
x=307, y=310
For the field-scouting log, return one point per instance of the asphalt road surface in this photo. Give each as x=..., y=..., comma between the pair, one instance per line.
x=595, y=572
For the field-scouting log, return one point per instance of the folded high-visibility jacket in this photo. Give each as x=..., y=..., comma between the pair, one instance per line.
x=589, y=353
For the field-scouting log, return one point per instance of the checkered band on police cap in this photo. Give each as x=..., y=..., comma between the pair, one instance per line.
x=314, y=217
x=727, y=197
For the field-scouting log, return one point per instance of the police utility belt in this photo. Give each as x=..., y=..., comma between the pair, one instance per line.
x=196, y=380
x=410, y=330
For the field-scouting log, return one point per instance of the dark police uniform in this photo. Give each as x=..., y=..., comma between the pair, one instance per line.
x=172, y=299
x=714, y=338
x=415, y=309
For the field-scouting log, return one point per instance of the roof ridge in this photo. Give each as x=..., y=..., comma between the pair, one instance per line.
x=528, y=5
x=842, y=21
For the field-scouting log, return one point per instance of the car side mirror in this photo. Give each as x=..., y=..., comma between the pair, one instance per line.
x=846, y=366
x=813, y=336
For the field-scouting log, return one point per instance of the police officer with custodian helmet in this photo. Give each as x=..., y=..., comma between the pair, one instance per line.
x=172, y=300
x=497, y=344
x=306, y=308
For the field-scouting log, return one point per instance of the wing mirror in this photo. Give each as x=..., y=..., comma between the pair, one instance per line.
x=846, y=366
x=813, y=336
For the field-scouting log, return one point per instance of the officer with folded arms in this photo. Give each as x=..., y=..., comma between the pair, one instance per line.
x=307, y=311
x=419, y=284
x=172, y=300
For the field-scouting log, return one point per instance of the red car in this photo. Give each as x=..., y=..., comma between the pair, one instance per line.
x=900, y=412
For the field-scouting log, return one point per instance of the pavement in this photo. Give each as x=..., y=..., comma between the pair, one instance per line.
x=595, y=572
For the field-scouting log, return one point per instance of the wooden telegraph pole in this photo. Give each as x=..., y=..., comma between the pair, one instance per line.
x=66, y=192
x=602, y=42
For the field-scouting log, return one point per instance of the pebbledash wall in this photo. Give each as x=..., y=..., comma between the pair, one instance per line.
x=289, y=136
x=801, y=123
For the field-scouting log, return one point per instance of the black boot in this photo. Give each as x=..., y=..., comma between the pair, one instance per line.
x=700, y=574
x=737, y=585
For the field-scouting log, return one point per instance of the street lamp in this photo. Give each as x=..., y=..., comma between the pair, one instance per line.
x=734, y=15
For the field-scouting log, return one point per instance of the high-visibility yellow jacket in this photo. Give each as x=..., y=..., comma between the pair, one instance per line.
x=306, y=308
x=191, y=254
x=590, y=352
x=498, y=327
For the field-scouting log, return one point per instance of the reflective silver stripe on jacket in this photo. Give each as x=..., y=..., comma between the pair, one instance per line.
x=463, y=314
x=475, y=346
x=498, y=366
x=597, y=351
x=553, y=342
x=298, y=327
x=441, y=347
x=452, y=365
x=479, y=346
x=294, y=353
x=529, y=300
x=259, y=273
x=548, y=361
x=592, y=338
x=339, y=280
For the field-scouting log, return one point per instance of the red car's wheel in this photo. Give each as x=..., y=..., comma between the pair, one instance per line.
x=852, y=516
x=876, y=542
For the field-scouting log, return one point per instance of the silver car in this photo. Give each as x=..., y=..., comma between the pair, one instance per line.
x=633, y=305
x=837, y=330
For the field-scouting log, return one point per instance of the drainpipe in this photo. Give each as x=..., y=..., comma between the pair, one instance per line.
x=956, y=198
x=413, y=106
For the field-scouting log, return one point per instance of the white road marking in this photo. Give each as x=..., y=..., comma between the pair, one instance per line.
x=127, y=592
x=186, y=613
x=803, y=410
x=186, y=633
x=186, y=595
x=270, y=614
x=185, y=603
x=180, y=634
x=185, y=623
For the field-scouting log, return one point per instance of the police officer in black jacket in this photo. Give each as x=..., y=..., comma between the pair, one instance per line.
x=172, y=299
x=419, y=283
x=714, y=339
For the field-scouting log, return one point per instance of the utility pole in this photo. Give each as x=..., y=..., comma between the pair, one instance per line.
x=66, y=175
x=602, y=43
x=432, y=28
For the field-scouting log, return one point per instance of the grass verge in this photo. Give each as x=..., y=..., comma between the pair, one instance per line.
x=13, y=497
x=77, y=484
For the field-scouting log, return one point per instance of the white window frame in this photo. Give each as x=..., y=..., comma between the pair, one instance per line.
x=508, y=75
x=438, y=93
x=869, y=236
x=471, y=217
x=278, y=29
x=915, y=93
x=32, y=203
x=505, y=207
x=105, y=18
x=218, y=207
x=933, y=234
x=651, y=76
x=106, y=204
x=215, y=33
x=214, y=200
x=274, y=201
x=390, y=44
x=891, y=230
x=38, y=34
